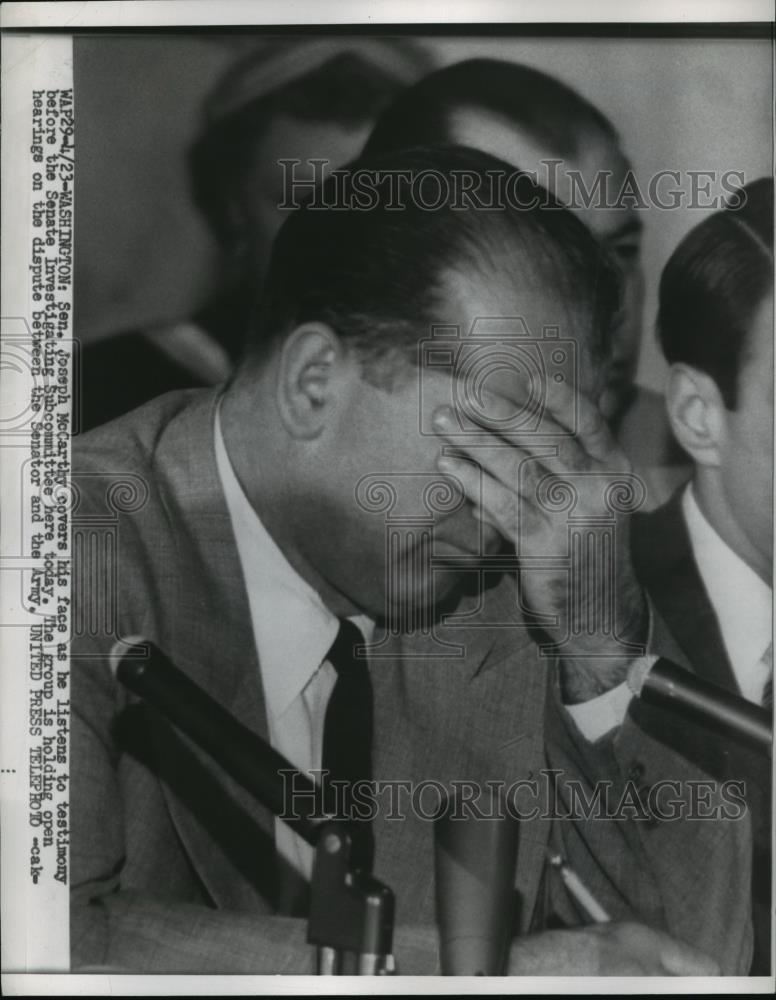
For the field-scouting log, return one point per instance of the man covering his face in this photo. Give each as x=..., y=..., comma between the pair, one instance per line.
x=348, y=490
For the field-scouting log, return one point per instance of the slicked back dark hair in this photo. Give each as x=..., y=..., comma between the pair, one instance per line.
x=551, y=112
x=713, y=285
x=380, y=277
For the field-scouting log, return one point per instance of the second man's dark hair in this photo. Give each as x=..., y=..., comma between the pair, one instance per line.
x=713, y=285
x=552, y=112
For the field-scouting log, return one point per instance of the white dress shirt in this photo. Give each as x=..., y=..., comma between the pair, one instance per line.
x=742, y=603
x=741, y=599
x=293, y=631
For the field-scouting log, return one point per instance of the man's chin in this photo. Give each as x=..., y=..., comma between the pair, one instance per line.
x=438, y=586
x=423, y=607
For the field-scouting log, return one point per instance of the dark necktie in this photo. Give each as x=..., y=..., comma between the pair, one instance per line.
x=347, y=735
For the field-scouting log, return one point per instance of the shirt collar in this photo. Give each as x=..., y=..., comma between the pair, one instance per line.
x=293, y=629
x=742, y=600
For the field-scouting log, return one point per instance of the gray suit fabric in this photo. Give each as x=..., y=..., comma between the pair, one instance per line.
x=173, y=864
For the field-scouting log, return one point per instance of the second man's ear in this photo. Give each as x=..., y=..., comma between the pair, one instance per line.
x=697, y=413
x=313, y=366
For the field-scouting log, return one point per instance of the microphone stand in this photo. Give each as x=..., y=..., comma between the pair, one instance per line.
x=351, y=913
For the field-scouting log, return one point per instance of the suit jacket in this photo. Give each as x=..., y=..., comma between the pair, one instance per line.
x=122, y=371
x=166, y=858
x=665, y=563
x=173, y=864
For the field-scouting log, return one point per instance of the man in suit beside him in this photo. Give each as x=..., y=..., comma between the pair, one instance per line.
x=706, y=556
x=261, y=531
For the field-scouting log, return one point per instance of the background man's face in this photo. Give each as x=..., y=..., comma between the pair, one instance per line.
x=290, y=138
x=382, y=525
x=619, y=229
x=745, y=469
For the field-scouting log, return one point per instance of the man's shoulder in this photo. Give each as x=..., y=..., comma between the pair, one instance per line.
x=150, y=526
x=143, y=471
x=136, y=436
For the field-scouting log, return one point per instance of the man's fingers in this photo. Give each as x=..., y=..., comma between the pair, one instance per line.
x=480, y=488
x=493, y=502
x=503, y=459
x=562, y=411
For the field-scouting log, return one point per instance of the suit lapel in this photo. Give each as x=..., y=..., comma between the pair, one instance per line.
x=209, y=635
x=477, y=717
x=666, y=566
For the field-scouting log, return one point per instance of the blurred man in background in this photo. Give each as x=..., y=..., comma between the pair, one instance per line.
x=305, y=99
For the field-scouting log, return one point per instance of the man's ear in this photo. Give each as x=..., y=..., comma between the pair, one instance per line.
x=311, y=369
x=697, y=413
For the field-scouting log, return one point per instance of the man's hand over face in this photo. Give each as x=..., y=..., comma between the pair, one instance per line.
x=533, y=488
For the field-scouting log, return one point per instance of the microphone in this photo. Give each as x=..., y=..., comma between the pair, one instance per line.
x=350, y=911
x=144, y=669
x=475, y=857
x=669, y=686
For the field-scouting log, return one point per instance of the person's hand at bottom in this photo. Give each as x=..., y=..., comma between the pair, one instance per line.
x=612, y=949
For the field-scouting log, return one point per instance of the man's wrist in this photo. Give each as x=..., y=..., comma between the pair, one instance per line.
x=584, y=679
x=587, y=675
